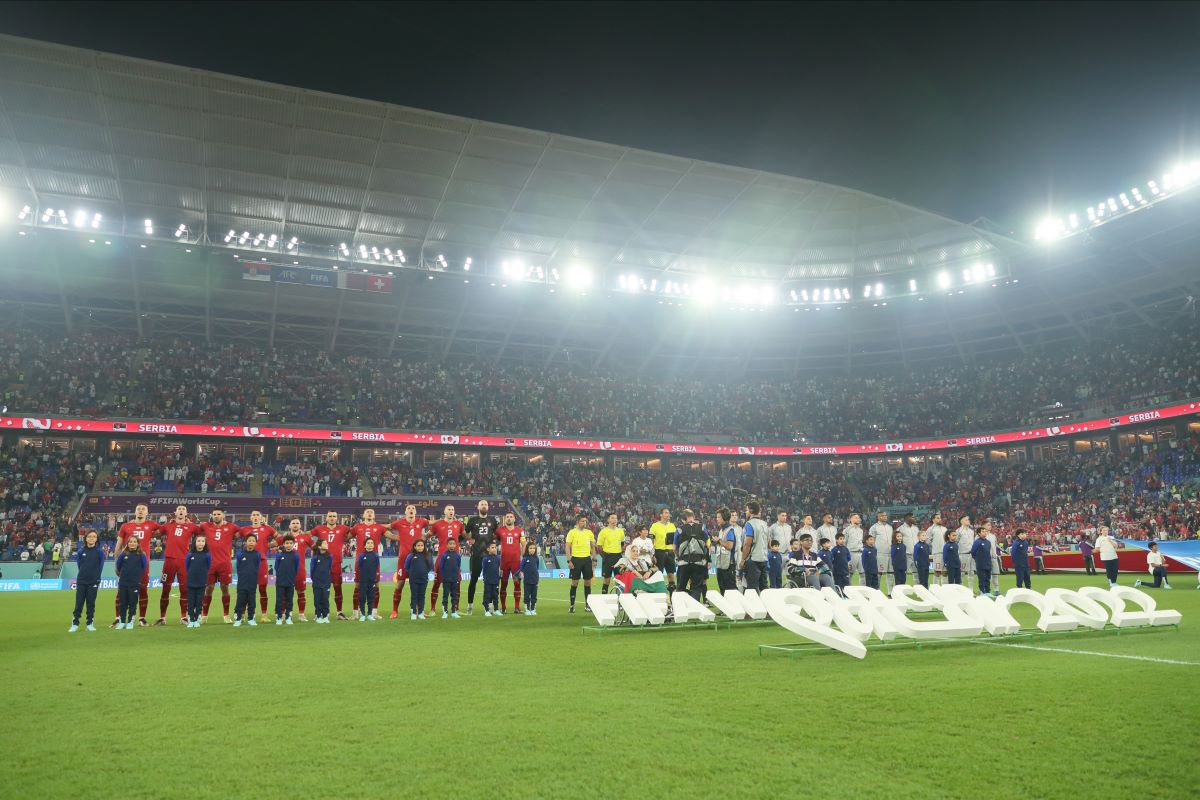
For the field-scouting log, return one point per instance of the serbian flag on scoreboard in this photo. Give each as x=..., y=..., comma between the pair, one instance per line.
x=364, y=282
x=256, y=272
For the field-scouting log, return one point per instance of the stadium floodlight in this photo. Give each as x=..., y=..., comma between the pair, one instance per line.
x=400, y=255
x=229, y=236
x=654, y=285
x=1112, y=204
x=80, y=218
x=766, y=296
x=291, y=245
x=96, y=218
x=579, y=277
x=467, y=264
x=344, y=249
x=705, y=292
x=879, y=290
x=271, y=240
x=866, y=291
x=912, y=284
x=825, y=295
x=362, y=251
x=991, y=270
x=1049, y=230
x=636, y=284
x=149, y=225
x=621, y=281
x=1154, y=190
x=804, y=295
x=943, y=280
x=1073, y=220
x=25, y=212
x=245, y=237
x=792, y=294
x=47, y=214
x=375, y=253
x=62, y=216
x=966, y=275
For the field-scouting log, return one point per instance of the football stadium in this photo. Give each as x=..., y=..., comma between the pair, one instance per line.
x=553, y=467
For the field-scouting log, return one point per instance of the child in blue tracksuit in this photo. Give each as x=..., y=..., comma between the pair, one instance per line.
x=196, y=565
x=368, y=573
x=981, y=554
x=287, y=567
x=131, y=564
x=775, y=566
x=416, y=566
x=870, y=562
x=248, y=562
x=922, y=557
x=450, y=571
x=320, y=569
x=1020, y=558
x=899, y=559
x=90, y=559
x=950, y=559
x=840, y=556
x=529, y=578
x=491, y=581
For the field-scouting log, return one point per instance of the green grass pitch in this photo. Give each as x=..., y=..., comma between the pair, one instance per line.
x=531, y=707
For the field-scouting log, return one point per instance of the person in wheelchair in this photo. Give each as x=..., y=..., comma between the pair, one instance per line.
x=806, y=569
x=635, y=572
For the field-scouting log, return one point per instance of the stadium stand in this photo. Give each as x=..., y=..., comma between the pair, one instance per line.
x=104, y=375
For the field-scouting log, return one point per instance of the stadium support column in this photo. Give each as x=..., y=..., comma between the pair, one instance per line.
x=399, y=317
x=274, y=311
x=137, y=293
x=337, y=320
x=207, y=301
x=62, y=292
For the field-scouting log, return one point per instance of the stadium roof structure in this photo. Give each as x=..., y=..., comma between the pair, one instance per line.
x=158, y=161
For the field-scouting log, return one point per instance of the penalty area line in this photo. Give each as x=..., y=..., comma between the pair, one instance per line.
x=1091, y=653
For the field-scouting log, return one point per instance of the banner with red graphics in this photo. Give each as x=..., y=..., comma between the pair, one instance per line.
x=52, y=425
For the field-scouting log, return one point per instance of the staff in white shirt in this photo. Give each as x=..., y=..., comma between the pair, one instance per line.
x=1157, y=566
x=1106, y=545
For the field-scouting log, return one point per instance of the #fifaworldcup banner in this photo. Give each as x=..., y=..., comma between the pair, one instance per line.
x=285, y=433
x=201, y=504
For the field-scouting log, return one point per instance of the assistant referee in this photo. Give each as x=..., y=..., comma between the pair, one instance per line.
x=663, y=533
x=581, y=547
x=611, y=541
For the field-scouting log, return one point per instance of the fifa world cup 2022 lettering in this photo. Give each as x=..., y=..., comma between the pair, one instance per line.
x=845, y=623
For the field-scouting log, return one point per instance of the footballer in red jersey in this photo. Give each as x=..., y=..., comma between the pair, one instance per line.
x=303, y=543
x=178, y=532
x=335, y=534
x=511, y=541
x=445, y=529
x=367, y=529
x=264, y=534
x=405, y=531
x=220, y=535
x=143, y=529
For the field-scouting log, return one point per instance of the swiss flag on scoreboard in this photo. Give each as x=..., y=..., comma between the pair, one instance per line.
x=364, y=282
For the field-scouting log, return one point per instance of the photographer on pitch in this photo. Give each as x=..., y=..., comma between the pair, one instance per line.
x=691, y=556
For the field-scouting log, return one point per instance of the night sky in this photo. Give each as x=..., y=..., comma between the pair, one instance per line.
x=969, y=109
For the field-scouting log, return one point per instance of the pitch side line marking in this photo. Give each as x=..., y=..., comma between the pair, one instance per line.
x=1093, y=653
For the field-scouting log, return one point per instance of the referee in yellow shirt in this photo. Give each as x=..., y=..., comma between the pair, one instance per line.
x=663, y=533
x=611, y=541
x=581, y=547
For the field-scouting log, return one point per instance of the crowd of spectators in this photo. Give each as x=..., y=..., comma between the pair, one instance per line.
x=152, y=472
x=105, y=375
x=37, y=488
x=1151, y=492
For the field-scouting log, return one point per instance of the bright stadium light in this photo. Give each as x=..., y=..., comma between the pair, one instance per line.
x=25, y=212
x=149, y=226
x=80, y=218
x=579, y=277
x=1049, y=230
x=291, y=245
x=804, y=295
x=766, y=296
x=879, y=290
x=229, y=236
x=467, y=264
x=912, y=284
x=943, y=280
x=245, y=237
x=825, y=295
